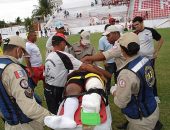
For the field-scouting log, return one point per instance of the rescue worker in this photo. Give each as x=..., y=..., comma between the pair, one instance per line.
x=84, y=46
x=17, y=104
x=133, y=92
x=112, y=33
x=109, y=65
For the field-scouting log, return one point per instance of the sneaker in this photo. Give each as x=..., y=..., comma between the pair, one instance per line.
x=158, y=126
x=157, y=99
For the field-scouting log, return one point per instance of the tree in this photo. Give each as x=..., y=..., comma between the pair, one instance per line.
x=3, y=24
x=18, y=21
x=45, y=7
x=28, y=24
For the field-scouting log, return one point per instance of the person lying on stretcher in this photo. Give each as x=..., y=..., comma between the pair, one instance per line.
x=79, y=82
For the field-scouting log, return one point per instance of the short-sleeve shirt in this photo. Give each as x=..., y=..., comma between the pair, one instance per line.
x=34, y=53
x=80, y=52
x=146, y=41
x=115, y=52
x=56, y=68
x=104, y=45
x=15, y=82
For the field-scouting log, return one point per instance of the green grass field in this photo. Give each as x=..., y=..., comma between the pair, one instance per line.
x=163, y=79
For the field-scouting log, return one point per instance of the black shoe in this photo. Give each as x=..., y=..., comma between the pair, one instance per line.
x=123, y=126
x=158, y=126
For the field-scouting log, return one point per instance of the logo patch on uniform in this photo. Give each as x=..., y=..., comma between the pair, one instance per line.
x=29, y=93
x=20, y=74
x=122, y=83
x=149, y=76
x=24, y=83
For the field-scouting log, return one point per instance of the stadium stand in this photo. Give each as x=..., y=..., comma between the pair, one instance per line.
x=152, y=9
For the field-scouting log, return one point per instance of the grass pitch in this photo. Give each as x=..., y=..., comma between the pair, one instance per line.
x=162, y=73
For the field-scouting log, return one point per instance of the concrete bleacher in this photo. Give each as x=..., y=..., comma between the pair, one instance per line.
x=98, y=11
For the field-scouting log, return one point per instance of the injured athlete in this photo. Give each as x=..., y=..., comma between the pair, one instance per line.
x=89, y=88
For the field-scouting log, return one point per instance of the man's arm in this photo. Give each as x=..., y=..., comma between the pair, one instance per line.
x=104, y=72
x=97, y=57
x=90, y=68
x=28, y=63
x=159, y=39
x=158, y=47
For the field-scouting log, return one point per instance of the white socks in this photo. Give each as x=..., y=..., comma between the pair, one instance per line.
x=70, y=107
x=91, y=103
x=67, y=120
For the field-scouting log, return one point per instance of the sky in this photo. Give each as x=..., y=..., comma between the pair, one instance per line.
x=11, y=9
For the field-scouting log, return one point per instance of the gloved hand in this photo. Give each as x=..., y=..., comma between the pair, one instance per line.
x=113, y=89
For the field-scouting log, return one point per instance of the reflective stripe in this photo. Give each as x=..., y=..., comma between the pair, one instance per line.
x=87, y=76
x=140, y=64
x=75, y=77
x=94, y=75
x=2, y=66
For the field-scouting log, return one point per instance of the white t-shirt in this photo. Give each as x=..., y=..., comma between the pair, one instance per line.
x=34, y=53
x=55, y=70
x=146, y=37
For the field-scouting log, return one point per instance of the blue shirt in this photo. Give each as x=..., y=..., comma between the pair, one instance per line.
x=104, y=45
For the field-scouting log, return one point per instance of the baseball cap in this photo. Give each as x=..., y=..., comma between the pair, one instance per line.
x=56, y=39
x=85, y=35
x=127, y=38
x=110, y=29
x=112, y=20
x=59, y=24
x=17, y=41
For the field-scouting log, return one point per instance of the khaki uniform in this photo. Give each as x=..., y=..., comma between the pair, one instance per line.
x=128, y=84
x=80, y=52
x=17, y=87
x=115, y=53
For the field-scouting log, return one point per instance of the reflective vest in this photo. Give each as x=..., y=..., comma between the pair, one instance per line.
x=143, y=104
x=8, y=106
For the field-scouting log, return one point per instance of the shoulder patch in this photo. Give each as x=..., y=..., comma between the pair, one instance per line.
x=122, y=83
x=29, y=93
x=24, y=84
x=20, y=74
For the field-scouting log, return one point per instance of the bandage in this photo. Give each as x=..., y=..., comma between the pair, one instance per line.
x=93, y=82
x=90, y=109
x=91, y=103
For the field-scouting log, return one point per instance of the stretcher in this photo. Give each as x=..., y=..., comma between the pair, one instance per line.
x=105, y=116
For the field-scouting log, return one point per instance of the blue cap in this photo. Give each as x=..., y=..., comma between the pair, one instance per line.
x=59, y=24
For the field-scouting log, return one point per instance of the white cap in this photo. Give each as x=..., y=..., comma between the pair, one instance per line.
x=110, y=29
x=85, y=35
x=17, y=41
x=127, y=38
x=59, y=24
